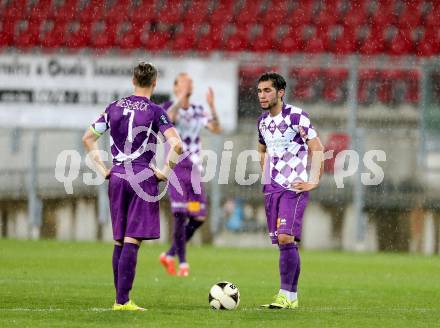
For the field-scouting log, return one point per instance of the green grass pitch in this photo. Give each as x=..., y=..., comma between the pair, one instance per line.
x=60, y=284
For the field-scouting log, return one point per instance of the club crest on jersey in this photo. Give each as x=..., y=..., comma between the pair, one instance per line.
x=263, y=128
x=272, y=127
x=283, y=127
x=163, y=119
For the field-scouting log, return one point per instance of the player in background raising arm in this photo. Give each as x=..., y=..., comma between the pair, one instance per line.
x=133, y=121
x=189, y=208
x=285, y=136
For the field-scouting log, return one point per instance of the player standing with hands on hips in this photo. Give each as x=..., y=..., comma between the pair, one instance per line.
x=285, y=137
x=189, y=207
x=134, y=122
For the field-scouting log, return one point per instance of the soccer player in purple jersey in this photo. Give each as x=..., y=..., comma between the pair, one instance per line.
x=189, y=208
x=133, y=122
x=285, y=138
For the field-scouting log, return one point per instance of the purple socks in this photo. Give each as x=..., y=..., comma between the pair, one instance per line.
x=289, y=266
x=115, y=261
x=182, y=234
x=179, y=240
x=126, y=271
x=191, y=227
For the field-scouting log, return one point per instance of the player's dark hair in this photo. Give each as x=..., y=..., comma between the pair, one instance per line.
x=144, y=74
x=278, y=82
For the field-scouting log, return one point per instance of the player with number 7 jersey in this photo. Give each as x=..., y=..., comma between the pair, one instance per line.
x=134, y=123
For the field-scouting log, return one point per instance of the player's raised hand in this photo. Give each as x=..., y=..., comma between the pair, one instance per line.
x=301, y=186
x=210, y=97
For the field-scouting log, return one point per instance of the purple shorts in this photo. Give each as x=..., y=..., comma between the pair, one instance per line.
x=132, y=216
x=284, y=213
x=192, y=200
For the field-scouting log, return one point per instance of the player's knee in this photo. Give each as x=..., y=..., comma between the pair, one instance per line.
x=132, y=240
x=118, y=242
x=285, y=239
x=200, y=218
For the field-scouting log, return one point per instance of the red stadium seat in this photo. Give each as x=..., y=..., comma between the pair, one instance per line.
x=335, y=85
x=276, y=14
x=16, y=10
x=29, y=37
x=6, y=33
x=302, y=15
x=305, y=84
x=119, y=12
x=54, y=38
x=293, y=41
x=373, y=44
x=66, y=12
x=265, y=40
x=80, y=38
x=129, y=39
x=236, y=41
x=345, y=43
x=222, y=14
x=143, y=13
x=385, y=92
x=171, y=12
x=197, y=13
x=412, y=79
x=249, y=75
x=40, y=10
x=367, y=87
x=401, y=44
x=338, y=142
x=314, y=45
x=93, y=11
x=104, y=39
x=157, y=40
x=185, y=39
x=429, y=45
x=249, y=13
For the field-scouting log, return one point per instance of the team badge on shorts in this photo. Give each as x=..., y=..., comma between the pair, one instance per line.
x=281, y=222
x=194, y=206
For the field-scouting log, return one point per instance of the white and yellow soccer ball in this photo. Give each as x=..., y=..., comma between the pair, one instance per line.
x=224, y=295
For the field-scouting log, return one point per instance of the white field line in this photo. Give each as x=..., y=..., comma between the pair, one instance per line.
x=250, y=309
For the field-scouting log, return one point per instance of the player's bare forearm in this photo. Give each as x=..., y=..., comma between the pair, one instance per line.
x=262, y=152
x=214, y=124
x=176, y=149
x=317, y=166
x=172, y=111
x=317, y=163
x=91, y=146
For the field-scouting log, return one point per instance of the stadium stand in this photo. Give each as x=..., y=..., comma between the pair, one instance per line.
x=391, y=27
x=339, y=27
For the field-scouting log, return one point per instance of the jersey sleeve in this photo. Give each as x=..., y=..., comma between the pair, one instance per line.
x=260, y=136
x=101, y=125
x=303, y=121
x=161, y=120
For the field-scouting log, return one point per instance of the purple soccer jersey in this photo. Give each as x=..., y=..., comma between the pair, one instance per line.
x=286, y=148
x=131, y=121
x=189, y=123
x=134, y=123
x=288, y=155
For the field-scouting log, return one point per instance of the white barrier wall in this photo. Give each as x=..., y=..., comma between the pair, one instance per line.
x=70, y=91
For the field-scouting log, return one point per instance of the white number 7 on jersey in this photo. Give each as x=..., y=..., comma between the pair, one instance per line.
x=130, y=123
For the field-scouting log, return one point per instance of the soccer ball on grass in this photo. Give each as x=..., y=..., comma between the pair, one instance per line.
x=224, y=296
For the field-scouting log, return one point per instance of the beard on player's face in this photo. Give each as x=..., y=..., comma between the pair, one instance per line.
x=270, y=103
